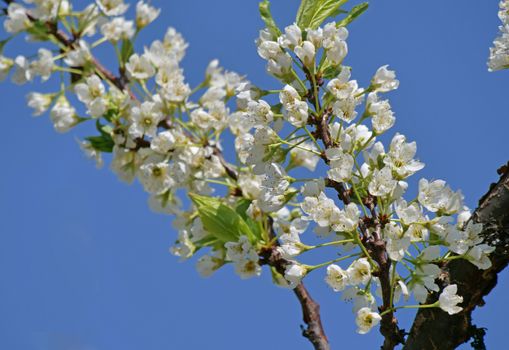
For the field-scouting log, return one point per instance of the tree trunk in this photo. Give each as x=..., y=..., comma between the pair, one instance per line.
x=434, y=328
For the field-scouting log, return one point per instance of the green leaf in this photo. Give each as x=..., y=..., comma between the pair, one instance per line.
x=312, y=13
x=306, y=10
x=256, y=227
x=264, y=7
x=277, y=108
x=105, y=130
x=330, y=71
x=242, y=207
x=354, y=13
x=3, y=43
x=324, y=10
x=221, y=221
x=126, y=51
x=103, y=143
x=207, y=241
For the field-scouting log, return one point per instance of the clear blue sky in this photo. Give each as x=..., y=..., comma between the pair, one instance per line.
x=84, y=264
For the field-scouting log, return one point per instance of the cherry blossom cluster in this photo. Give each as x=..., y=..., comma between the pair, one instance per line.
x=499, y=53
x=309, y=171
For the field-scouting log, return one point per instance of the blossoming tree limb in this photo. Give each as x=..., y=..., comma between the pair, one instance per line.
x=438, y=330
x=308, y=162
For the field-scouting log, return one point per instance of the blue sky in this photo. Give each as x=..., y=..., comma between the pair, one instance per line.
x=85, y=264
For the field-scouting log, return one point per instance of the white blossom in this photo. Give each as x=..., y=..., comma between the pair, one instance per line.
x=22, y=71
x=47, y=10
x=43, y=66
x=155, y=177
x=145, y=14
x=341, y=165
x=295, y=110
x=39, y=102
x=448, y=300
x=294, y=273
x=208, y=264
x=145, y=119
x=359, y=272
x=118, y=29
x=499, y=53
x=164, y=142
x=479, y=256
x=292, y=37
x=63, y=115
x=79, y=55
x=347, y=220
x=334, y=42
x=336, y=278
x=382, y=116
x=5, y=67
x=315, y=36
x=91, y=153
x=400, y=157
x=321, y=209
x=384, y=80
x=382, y=183
x=112, y=7
x=139, y=67
x=91, y=92
x=17, y=18
x=183, y=247
x=304, y=156
x=437, y=197
x=248, y=268
x=306, y=53
x=396, y=248
x=366, y=319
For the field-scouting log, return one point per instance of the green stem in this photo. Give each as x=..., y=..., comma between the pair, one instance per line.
x=310, y=268
x=301, y=83
x=313, y=138
x=329, y=244
x=426, y=306
x=292, y=145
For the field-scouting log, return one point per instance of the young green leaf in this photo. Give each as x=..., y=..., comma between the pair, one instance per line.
x=103, y=143
x=331, y=71
x=3, y=43
x=306, y=10
x=266, y=15
x=221, y=221
x=324, y=10
x=126, y=51
x=353, y=14
x=312, y=13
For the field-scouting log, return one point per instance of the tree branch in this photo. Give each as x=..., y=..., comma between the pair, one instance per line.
x=314, y=331
x=121, y=82
x=435, y=329
x=311, y=316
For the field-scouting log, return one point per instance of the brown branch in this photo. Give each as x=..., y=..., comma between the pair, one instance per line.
x=434, y=329
x=121, y=82
x=228, y=168
x=313, y=331
x=389, y=324
x=311, y=316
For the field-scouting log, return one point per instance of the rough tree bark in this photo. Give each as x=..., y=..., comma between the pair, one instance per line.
x=435, y=329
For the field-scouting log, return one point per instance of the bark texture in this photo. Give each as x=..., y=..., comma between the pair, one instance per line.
x=434, y=329
x=313, y=330
x=311, y=316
